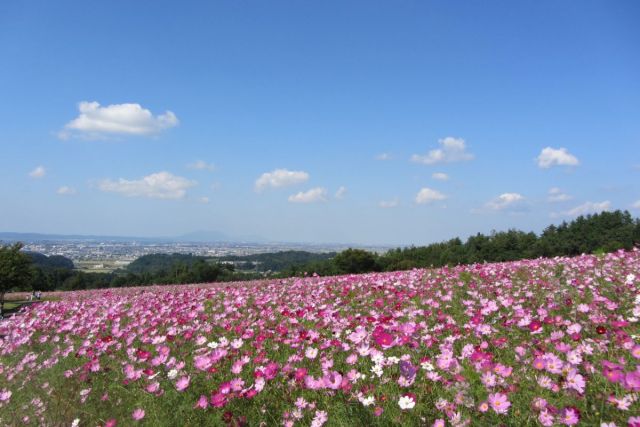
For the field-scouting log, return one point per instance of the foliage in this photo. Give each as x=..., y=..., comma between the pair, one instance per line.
x=278, y=261
x=353, y=261
x=15, y=270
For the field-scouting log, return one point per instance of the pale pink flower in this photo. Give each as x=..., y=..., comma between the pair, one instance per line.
x=499, y=403
x=202, y=402
x=182, y=383
x=138, y=414
x=319, y=419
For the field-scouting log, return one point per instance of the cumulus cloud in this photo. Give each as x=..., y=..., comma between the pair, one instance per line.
x=383, y=156
x=160, y=185
x=636, y=205
x=556, y=157
x=317, y=194
x=505, y=201
x=342, y=191
x=387, y=204
x=440, y=176
x=280, y=178
x=588, y=208
x=201, y=165
x=38, y=172
x=428, y=195
x=557, y=195
x=451, y=150
x=96, y=121
x=66, y=191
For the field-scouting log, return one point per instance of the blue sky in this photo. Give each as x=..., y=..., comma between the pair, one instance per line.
x=353, y=122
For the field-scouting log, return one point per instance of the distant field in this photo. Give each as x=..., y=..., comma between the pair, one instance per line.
x=525, y=343
x=99, y=266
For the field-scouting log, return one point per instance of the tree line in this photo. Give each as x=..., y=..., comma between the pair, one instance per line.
x=603, y=232
x=597, y=233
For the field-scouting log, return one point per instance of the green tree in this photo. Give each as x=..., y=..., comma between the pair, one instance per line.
x=15, y=270
x=355, y=261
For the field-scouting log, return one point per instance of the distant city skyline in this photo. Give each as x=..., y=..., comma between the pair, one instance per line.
x=363, y=122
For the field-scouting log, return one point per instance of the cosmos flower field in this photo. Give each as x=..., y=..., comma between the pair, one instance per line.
x=538, y=342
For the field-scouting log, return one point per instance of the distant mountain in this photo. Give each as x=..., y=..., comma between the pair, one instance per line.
x=42, y=237
x=204, y=236
x=196, y=237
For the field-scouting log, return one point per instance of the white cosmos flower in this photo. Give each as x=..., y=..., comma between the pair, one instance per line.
x=406, y=402
x=367, y=401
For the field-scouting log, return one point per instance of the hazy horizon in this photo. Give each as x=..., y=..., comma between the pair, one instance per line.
x=359, y=123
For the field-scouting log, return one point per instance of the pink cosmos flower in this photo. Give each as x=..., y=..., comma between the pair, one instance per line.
x=535, y=325
x=237, y=384
x=539, y=363
x=539, y=403
x=439, y=423
x=488, y=379
x=218, y=400
x=575, y=381
x=153, y=387
x=632, y=381
x=569, y=416
x=499, y=403
x=319, y=419
x=633, y=422
x=545, y=418
x=183, y=383
x=5, y=395
x=138, y=414
x=613, y=375
x=202, y=362
x=202, y=402
x=352, y=359
x=300, y=373
x=332, y=380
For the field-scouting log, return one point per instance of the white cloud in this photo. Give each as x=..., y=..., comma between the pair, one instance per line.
x=317, y=194
x=589, y=207
x=96, y=122
x=428, y=195
x=383, y=156
x=201, y=165
x=280, y=178
x=342, y=191
x=440, y=176
x=38, y=172
x=556, y=157
x=387, y=204
x=557, y=195
x=451, y=150
x=160, y=185
x=505, y=201
x=66, y=191
x=636, y=205
x=204, y=199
